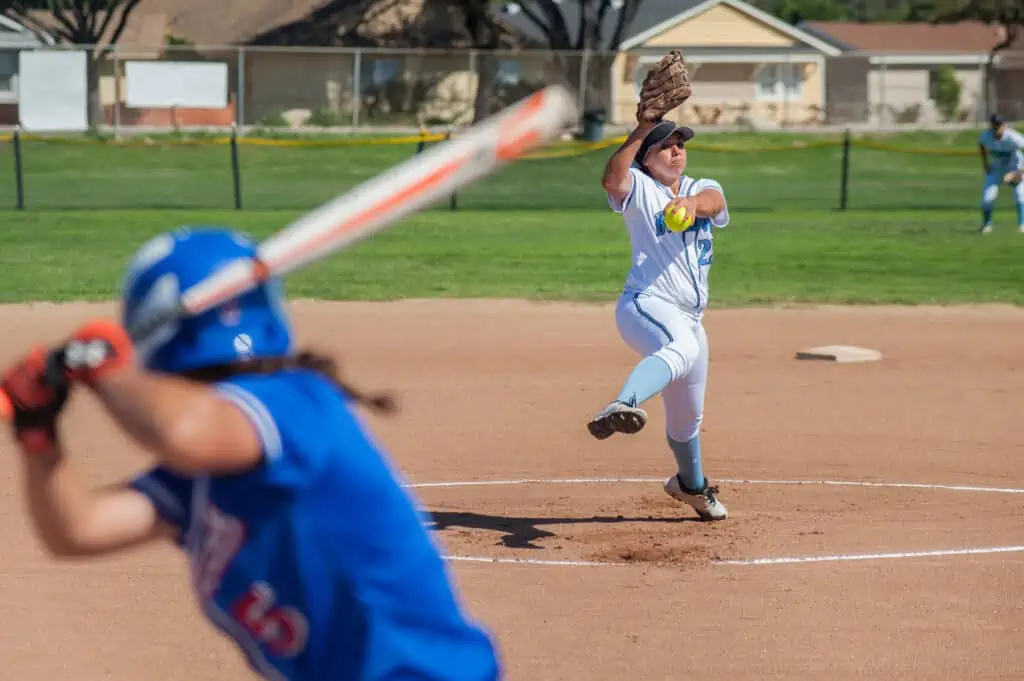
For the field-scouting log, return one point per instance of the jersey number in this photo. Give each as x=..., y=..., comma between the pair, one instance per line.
x=283, y=631
x=660, y=228
x=704, y=255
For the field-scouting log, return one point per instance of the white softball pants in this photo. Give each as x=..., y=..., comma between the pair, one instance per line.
x=653, y=326
x=993, y=183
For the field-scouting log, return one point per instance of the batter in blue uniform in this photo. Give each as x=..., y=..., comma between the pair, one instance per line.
x=303, y=547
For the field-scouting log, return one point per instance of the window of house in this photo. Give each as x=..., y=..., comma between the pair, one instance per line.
x=509, y=71
x=639, y=74
x=933, y=83
x=779, y=81
x=8, y=70
x=376, y=71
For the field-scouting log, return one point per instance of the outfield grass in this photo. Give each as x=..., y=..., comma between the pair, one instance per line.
x=164, y=176
x=763, y=257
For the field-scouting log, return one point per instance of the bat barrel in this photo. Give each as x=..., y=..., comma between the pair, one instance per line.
x=387, y=198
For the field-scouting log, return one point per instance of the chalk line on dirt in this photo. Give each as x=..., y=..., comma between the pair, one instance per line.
x=781, y=560
x=534, y=561
x=726, y=481
x=873, y=556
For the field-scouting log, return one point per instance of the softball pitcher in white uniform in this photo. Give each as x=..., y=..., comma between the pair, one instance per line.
x=1002, y=152
x=659, y=314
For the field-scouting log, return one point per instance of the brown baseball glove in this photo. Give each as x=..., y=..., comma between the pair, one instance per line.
x=1014, y=177
x=665, y=87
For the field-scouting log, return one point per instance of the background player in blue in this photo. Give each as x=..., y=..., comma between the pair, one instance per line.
x=302, y=546
x=660, y=312
x=1002, y=152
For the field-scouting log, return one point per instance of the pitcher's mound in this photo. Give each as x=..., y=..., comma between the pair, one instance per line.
x=840, y=353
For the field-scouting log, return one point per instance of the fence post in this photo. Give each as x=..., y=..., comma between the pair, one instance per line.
x=844, y=179
x=581, y=100
x=19, y=182
x=118, y=92
x=240, y=88
x=454, y=200
x=235, y=171
x=357, y=86
x=882, y=103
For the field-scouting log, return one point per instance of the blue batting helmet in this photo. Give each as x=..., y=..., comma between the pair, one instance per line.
x=251, y=326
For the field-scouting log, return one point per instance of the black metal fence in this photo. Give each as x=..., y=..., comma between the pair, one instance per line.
x=759, y=172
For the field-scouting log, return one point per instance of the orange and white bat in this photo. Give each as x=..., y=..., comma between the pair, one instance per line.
x=382, y=201
x=385, y=199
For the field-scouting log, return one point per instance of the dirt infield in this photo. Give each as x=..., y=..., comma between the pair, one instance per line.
x=623, y=584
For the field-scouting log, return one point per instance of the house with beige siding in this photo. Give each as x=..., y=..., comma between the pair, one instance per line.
x=746, y=65
x=887, y=73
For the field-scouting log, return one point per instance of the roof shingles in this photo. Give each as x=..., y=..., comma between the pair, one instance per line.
x=907, y=38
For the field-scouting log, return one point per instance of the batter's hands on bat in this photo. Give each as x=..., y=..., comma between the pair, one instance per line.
x=38, y=385
x=37, y=390
x=95, y=350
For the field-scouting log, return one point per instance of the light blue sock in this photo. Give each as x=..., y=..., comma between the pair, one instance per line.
x=648, y=379
x=688, y=459
x=986, y=215
x=1020, y=214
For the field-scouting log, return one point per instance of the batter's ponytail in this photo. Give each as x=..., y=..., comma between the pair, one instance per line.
x=306, y=359
x=313, y=361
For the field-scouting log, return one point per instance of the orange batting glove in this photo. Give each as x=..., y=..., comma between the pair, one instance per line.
x=37, y=390
x=38, y=385
x=97, y=349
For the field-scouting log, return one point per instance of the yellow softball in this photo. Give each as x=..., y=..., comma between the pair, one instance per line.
x=677, y=220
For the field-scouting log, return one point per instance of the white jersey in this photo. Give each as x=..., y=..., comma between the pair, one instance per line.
x=670, y=265
x=1004, y=154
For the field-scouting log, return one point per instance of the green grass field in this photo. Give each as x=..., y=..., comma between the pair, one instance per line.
x=903, y=257
x=538, y=229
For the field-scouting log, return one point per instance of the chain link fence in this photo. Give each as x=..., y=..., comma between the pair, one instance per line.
x=302, y=124
x=391, y=90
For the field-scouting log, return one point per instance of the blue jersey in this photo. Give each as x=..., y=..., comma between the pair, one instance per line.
x=317, y=564
x=1005, y=153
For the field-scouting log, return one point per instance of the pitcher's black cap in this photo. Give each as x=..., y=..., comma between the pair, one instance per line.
x=995, y=120
x=658, y=134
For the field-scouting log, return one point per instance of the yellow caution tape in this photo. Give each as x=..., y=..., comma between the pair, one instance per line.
x=560, y=150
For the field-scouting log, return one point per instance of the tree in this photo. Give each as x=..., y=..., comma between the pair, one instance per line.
x=946, y=93
x=98, y=24
x=596, y=27
x=485, y=35
x=795, y=11
x=884, y=11
x=557, y=19
x=1008, y=15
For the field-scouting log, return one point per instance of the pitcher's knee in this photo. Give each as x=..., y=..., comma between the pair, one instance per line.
x=682, y=429
x=677, y=358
